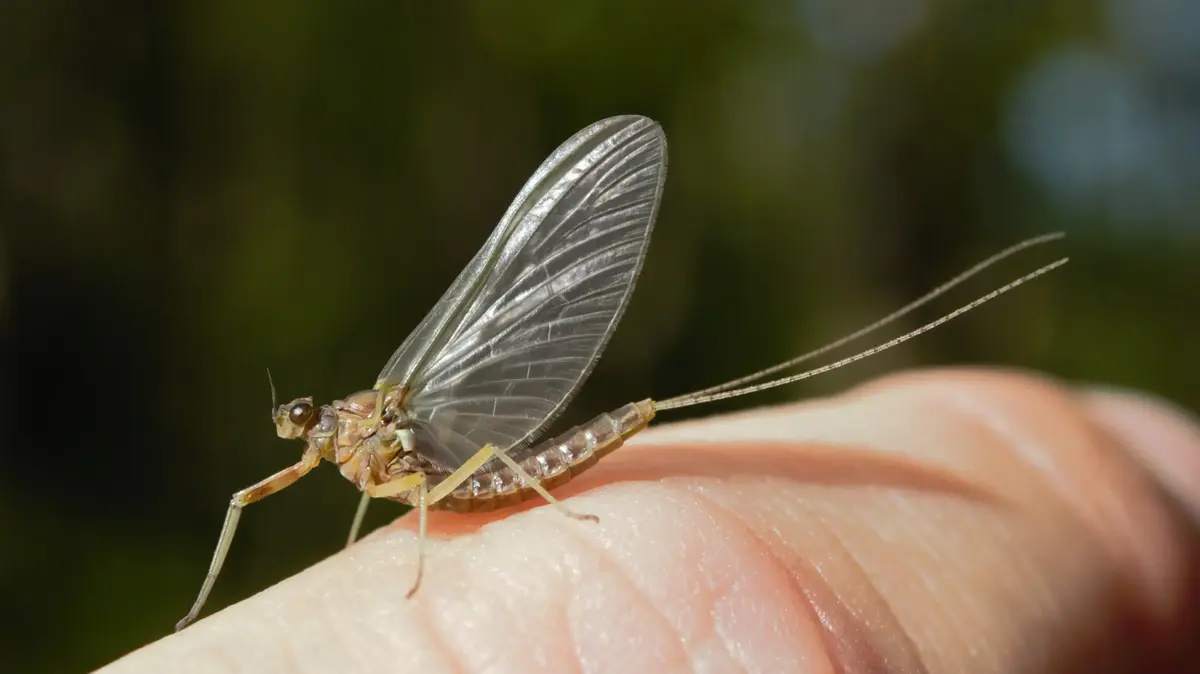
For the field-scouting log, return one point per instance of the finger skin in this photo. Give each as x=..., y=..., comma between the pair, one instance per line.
x=947, y=521
x=1166, y=439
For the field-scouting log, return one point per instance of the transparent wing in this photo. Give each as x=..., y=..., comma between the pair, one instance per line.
x=512, y=339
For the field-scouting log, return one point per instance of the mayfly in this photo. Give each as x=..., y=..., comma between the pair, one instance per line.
x=454, y=419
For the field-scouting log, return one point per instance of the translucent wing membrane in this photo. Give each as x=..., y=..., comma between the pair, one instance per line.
x=507, y=346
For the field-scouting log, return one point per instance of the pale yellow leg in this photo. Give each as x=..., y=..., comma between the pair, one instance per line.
x=422, y=520
x=400, y=486
x=359, y=514
x=395, y=487
x=443, y=489
x=243, y=498
x=537, y=487
x=425, y=498
x=464, y=472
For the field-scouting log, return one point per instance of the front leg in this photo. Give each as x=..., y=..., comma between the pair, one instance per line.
x=243, y=498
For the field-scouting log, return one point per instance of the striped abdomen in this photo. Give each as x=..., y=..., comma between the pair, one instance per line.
x=553, y=463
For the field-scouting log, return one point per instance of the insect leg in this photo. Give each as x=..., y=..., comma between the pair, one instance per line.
x=358, y=518
x=425, y=498
x=464, y=472
x=241, y=499
x=533, y=484
x=390, y=489
x=439, y=492
x=422, y=520
x=400, y=486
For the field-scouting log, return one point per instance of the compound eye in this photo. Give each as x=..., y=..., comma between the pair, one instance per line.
x=300, y=413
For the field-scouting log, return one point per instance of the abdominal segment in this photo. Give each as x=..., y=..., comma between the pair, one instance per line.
x=553, y=463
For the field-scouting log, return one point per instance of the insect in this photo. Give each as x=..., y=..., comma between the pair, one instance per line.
x=455, y=416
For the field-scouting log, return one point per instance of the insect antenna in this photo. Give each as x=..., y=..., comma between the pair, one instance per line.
x=728, y=390
x=273, y=401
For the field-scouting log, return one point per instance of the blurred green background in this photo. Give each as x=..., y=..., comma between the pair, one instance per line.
x=192, y=192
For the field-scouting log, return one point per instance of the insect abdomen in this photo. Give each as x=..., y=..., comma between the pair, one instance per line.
x=553, y=462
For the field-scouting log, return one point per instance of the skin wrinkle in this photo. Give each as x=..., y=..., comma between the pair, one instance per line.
x=851, y=621
x=829, y=653
x=450, y=642
x=944, y=592
x=970, y=403
x=995, y=585
x=725, y=517
x=731, y=588
x=573, y=645
x=951, y=391
x=551, y=518
x=1025, y=446
x=601, y=555
x=365, y=630
x=1164, y=585
x=1121, y=479
x=1132, y=611
x=793, y=442
x=623, y=576
x=930, y=527
x=703, y=629
x=858, y=565
x=718, y=594
x=577, y=666
x=798, y=461
x=501, y=600
x=422, y=618
x=911, y=654
x=718, y=570
x=1128, y=542
x=986, y=435
x=706, y=630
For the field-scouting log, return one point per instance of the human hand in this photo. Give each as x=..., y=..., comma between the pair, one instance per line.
x=938, y=521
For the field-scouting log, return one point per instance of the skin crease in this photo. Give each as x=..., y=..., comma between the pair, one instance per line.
x=955, y=520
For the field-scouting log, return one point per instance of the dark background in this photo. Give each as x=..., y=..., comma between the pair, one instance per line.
x=191, y=192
